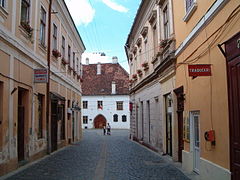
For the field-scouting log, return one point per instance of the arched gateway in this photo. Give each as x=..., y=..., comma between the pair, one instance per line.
x=99, y=121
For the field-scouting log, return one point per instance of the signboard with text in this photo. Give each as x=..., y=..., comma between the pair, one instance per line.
x=199, y=70
x=40, y=75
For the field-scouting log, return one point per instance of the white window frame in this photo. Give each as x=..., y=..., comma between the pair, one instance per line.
x=85, y=119
x=166, y=23
x=119, y=105
x=43, y=26
x=190, y=11
x=55, y=36
x=63, y=47
x=3, y=4
x=27, y=18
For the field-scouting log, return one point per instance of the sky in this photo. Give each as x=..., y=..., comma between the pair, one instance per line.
x=104, y=25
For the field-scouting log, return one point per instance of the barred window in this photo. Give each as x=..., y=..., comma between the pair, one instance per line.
x=100, y=105
x=85, y=104
x=85, y=119
x=119, y=105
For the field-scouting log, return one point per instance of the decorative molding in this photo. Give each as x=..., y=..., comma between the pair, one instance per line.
x=153, y=16
x=144, y=31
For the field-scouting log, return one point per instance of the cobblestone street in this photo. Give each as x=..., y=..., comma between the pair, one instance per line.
x=99, y=157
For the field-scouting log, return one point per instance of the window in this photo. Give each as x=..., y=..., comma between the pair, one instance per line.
x=77, y=66
x=54, y=36
x=25, y=8
x=85, y=104
x=85, y=119
x=189, y=4
x=42, y=26
x=40, y=115
x=3, y=3
x=166, y=22
x=100, y=105
x=124, y=118
x=119, y=105
x=63, y=46
x=74, y=60
x=115, y=118
x=155, y=39
x=69, y=54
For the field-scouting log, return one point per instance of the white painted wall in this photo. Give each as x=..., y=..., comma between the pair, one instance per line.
x=109, y=109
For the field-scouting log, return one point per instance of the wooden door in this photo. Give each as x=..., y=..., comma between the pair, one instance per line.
x=180, y=109
x=99, y=122
x=20, y=130
x=233, y=69
x=54, y=128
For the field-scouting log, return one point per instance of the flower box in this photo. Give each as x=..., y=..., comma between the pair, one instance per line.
x=163, y=43
x=64, y=61
x=56, y=53
x=134, y=76
x=145, y=66
x=27, y=28
x=139, y=72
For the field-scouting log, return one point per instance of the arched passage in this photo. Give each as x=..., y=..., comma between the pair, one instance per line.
x=100, y=121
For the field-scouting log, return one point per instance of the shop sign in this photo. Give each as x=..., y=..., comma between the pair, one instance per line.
x=199, y=70
x=40, y=75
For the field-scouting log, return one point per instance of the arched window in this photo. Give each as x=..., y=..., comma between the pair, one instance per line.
x=115, y=118
x=124, y=118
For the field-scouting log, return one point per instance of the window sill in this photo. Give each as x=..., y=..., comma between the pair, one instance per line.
x=190, y=12
x=43, y=48
x=3, y=12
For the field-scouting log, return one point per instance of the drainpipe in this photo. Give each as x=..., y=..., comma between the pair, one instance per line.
x=48, y=127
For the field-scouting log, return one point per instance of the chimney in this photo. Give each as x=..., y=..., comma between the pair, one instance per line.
x=114, y=59
x=113, y=87
x=98, y=68
x=87, y=61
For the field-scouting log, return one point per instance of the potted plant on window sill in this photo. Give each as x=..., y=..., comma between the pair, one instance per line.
x=64, y=62
x=139, y=72
x=145, y=66
x=27, y=28
x=56, y=53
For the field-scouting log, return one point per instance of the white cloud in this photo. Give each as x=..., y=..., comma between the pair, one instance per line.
x=81, y=11
x=115, y=6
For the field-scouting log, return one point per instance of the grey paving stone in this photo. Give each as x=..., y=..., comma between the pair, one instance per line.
x=99, y=157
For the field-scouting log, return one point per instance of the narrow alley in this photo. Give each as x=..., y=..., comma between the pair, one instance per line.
x=99, y=157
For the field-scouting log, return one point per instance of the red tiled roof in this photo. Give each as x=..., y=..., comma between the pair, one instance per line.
x=101, y=84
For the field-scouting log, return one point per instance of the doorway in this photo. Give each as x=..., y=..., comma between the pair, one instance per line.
x=168, y=113
x=54, y=127
x=99, y=122
x=180, y=109
x=22, y=98
x=232, y=48
x=196, y=141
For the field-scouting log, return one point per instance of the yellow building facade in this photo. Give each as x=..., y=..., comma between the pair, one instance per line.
x=202, y=29
x=25, y=135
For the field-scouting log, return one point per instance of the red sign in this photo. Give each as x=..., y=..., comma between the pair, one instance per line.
x=199, y=70
x=40, y=75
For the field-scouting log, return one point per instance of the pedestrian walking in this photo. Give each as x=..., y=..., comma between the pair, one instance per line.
x=104, y=130
x=108, y=129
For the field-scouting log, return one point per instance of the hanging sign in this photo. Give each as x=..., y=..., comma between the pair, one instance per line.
x=199, y=70
x=40, y=75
